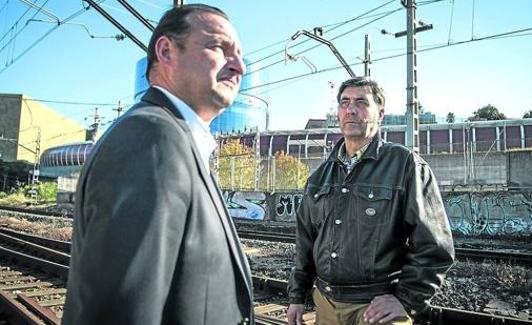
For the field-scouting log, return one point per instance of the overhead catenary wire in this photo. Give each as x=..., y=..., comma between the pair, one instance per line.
x=473, y=21
x=68, y=102
x=521, y=32
x=12, y=39
x=338, y=25
x=14, y=24
x=29, y=48
x=451, y=22
x=332, y=39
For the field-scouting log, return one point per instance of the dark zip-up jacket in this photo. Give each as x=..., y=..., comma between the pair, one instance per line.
x=380, y=229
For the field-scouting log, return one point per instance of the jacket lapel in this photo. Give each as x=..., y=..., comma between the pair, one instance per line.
x=156, y=97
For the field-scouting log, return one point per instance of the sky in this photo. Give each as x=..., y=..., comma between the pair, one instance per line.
x=473, y=56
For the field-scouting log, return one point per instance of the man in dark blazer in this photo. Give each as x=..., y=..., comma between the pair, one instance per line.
x=153, y=242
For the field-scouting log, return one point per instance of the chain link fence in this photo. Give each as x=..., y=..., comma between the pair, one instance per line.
x=479, y=163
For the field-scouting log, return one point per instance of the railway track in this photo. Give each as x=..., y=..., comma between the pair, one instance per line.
x=32, y=282
x=42, y=302
x=466, y=253
x=508, y=255
x=7, y=208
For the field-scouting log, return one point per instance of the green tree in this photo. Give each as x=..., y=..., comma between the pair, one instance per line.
x=450, y=117
x=290, y=172
x=487, y=112
x=528, y=114
x=236, y=166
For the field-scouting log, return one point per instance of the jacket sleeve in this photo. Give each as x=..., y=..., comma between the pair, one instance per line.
x=134, y=201
x=304, y=271
x=430, y=244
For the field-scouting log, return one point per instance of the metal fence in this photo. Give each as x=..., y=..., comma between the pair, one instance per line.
x=478, y=164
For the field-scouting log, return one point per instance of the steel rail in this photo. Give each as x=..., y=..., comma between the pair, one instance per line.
x=470, y=253
x=62, y=246
x=15, y=313
x=34, y=212
x=435, y=314
x=57, y=269
x=35, y=249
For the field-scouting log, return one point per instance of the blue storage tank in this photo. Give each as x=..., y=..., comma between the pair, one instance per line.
x=248, y=111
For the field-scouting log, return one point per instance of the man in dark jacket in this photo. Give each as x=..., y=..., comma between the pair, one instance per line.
x=153, y=242
x=372, y=233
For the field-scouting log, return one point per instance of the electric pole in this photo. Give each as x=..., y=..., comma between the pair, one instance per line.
x=412, y=117
x=93, y=128
x=119, y=109
x=367, y=56
x=36, y=167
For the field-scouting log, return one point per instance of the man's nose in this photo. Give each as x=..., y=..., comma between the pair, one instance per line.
x=352, y=107
x=236, y=64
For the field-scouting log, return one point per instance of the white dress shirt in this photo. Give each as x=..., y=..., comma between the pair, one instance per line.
x=199, y=128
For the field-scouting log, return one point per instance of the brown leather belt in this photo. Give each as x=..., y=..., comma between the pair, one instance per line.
x=356, y=293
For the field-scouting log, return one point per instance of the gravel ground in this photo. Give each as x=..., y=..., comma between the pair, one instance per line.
x=497, y=288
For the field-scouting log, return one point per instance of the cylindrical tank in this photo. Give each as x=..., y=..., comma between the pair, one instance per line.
x=248, y=111
x=141, y=82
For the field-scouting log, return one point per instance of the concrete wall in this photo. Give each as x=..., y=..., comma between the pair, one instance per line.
x=472, y=214
x=510, y=168
x=519, y=169
x=56, y=129
x=9, y=125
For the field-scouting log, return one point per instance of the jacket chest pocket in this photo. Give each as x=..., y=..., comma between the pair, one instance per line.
x=373, y=204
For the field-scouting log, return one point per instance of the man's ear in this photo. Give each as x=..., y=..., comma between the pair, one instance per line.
x=381, y=113
x=164, y=49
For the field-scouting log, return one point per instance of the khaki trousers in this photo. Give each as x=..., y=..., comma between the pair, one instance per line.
x=330, y=312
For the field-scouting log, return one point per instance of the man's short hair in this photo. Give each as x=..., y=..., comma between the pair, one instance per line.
x=175, y=25
x=376, y=90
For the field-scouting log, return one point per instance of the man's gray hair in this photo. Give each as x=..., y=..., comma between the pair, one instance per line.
x=376, y=90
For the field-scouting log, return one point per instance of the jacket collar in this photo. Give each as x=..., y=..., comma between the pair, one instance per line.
x=372, y=152
x=156, y=97
x=321, y=181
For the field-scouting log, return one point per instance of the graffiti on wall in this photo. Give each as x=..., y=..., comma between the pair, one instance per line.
x=246, y=205
x=494, y=213
x=474, y=213
x=286, y=206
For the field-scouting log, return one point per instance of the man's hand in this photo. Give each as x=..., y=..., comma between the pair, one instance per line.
x=295, y=314
x=383, y=309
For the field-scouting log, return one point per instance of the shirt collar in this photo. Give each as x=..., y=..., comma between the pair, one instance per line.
x=200, y=129
x=350, y=162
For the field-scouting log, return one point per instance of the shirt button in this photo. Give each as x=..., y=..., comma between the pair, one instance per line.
x=370, y=195
x=337, y=221
x=316, y=196
x=327, y=288
x=345, y=190
x=333, y=255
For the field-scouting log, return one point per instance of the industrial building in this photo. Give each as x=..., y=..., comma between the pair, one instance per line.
x=28, y=127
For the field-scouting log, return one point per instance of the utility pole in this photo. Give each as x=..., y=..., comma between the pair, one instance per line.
x=331, y=120
x=412, y=105
x=257, y=159
x=367, y=56
x=412, y=117
x=93, y=128
x=119, y=109
x=36, y=168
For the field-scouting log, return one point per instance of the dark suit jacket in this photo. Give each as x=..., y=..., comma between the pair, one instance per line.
x=153, y=242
